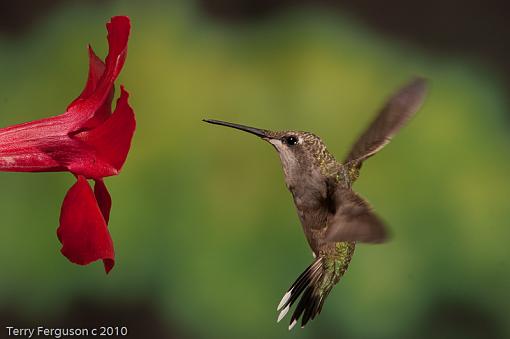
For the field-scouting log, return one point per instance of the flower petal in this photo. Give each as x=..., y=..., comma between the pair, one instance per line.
x=112, y=139
x=118, y=33
x=103, y=199
x=99, y=152
x=96, y=71
x=82, y=231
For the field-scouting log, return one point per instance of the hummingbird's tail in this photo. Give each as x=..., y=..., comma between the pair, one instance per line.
x=313, y=285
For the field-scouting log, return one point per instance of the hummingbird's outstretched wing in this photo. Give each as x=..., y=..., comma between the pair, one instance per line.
x=354, y=220
x=399, y=108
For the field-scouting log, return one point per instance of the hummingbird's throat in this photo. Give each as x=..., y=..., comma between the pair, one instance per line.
x=289, y=161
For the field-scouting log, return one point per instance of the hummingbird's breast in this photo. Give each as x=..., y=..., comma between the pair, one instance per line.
x=311, y=174
x=309, y=192
x=312, y=190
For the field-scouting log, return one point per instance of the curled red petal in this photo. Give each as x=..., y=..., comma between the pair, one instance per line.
x=83, y=231
x=96, y=71
x=112, y=139
x=118, y=36
x=84, y=108
x=103, y=198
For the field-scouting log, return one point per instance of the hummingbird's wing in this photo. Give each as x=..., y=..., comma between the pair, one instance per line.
x=399, y=108
x=354, y=220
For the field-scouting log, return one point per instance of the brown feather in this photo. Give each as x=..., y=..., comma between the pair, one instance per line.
x=397, y=111
x=354, y=220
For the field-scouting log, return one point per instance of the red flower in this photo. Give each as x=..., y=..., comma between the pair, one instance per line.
x=87, y=140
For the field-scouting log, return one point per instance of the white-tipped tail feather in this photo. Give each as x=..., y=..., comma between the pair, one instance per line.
x=308, y=288
x=284, y=300
x=283, y=313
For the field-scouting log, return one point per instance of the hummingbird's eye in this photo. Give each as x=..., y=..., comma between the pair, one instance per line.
x=291, y=140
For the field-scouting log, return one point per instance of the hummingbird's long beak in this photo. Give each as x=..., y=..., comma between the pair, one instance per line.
x=258, y=132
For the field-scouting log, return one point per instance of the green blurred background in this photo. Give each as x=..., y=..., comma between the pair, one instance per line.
x=206, y=235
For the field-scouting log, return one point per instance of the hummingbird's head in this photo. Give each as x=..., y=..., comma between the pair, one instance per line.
x=300, y=152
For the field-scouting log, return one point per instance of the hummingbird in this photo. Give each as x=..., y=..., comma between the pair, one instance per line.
x=334, y=218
